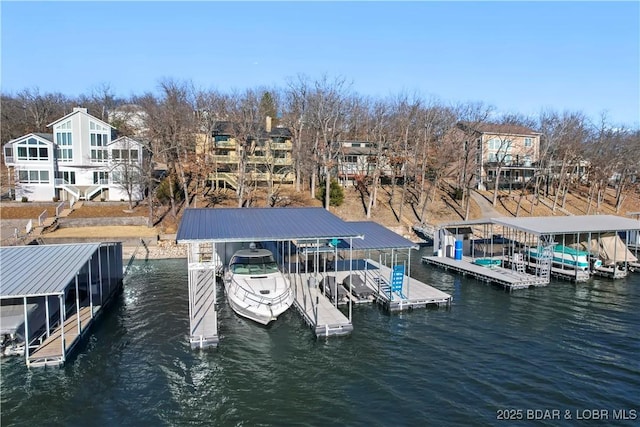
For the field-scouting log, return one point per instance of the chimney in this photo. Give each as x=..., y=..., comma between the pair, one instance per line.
x=84, y=110
x=267, y=125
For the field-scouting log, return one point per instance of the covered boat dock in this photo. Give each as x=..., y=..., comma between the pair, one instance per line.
x=322, y=256
x=51, y=295
x=568, y=247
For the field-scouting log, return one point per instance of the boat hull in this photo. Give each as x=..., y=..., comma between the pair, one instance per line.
x=255, y=306
x=565, y=257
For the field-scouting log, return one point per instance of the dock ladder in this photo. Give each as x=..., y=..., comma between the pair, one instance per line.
x=518, y=262
x=544, y=262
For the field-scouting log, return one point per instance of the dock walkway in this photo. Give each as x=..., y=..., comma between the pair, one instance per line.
x=203, y=316
x=50, y=352
x=324, y=318
x=416, y=294
x=507, y=278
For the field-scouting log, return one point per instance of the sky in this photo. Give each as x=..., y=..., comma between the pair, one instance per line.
x=520, y=57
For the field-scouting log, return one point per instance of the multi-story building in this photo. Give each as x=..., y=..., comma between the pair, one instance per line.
x=79, y=160
x=512, y=151
x=268, y=156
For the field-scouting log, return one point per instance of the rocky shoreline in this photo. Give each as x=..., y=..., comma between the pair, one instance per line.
x=164, y=249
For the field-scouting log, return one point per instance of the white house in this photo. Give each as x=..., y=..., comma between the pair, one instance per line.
x=78, y=161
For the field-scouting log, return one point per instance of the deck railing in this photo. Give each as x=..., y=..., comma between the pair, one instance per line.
x=59, y=208
x=43, y=216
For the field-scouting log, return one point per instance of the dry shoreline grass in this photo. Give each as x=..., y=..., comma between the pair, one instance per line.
x=442, y=209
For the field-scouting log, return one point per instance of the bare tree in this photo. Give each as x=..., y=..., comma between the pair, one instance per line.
x=471, y=116
x=170, y=124
x=296, y=118
x=244, y=113
x=127, y=167
x=327, y=107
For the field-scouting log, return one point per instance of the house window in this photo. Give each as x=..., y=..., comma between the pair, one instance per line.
x=33, y=177
x=351, y=159
x=64, y=142
x=99, y=139
x=528, y=142
x=499, y=144
x=8, y=151
x=32, y=149
x=124, y=156
x=101, y=177
x=67, y=177
x=99, y=156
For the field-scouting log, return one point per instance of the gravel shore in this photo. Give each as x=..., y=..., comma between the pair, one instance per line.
x=162, y=250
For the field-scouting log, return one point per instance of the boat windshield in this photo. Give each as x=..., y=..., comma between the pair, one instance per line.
x=253, y=265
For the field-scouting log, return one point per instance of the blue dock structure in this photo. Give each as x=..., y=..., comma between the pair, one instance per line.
x=327, y=261
x=522, y=252
x=51, y=295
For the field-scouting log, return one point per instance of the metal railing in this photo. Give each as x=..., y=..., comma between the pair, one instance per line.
x=59, y=208
x=43, y=216
x=95, y=188
x=62, y=183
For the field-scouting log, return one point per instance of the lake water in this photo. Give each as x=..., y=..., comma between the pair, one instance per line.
x=565, y=347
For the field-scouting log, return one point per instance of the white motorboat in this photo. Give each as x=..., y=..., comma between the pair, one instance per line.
x=255, y=288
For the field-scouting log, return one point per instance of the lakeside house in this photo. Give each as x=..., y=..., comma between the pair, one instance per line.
x=265, y=150
x=503, y=153
x=79, y=160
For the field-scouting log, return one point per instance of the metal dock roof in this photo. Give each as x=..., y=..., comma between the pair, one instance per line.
x=41, y=270
x=379, y=237
x=569, y=224
x=261, y=224
x=540, y=225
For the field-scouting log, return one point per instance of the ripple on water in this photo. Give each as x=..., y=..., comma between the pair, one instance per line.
x=565, y=345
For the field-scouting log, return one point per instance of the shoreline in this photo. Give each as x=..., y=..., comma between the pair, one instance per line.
x=164, y=249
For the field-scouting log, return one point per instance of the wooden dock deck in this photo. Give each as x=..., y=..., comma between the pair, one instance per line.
x=507, y=278
x=610, y=272
x=50, y=352
x=572, y=275
x=324, y=318
x=204, y=318
x=416, y=294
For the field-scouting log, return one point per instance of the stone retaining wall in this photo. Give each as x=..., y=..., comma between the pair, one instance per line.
x=99, y=222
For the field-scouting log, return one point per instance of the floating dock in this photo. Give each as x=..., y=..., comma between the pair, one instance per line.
x=324, y=318
x=63, y=290
x=203, y=317
x=509, y=279
x=309, y=244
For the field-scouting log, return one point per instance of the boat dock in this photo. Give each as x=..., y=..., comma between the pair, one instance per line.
x=508, y=278
x=203, y=317
x=569, y=274
x=310, y=245
x=324, y=315
x=324, y=318
x=415, y=294
x=60, y=304
x=535, y=241
x=51, y=351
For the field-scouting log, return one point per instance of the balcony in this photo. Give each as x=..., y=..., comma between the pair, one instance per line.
x=224, y=144
x=286, y=146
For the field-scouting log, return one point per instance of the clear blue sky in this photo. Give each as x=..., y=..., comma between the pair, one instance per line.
x=518, y=56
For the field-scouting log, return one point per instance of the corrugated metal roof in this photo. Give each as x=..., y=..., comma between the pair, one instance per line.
x=378, y=237
x=41, y=270
x=261, y=224
x=569, y=224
